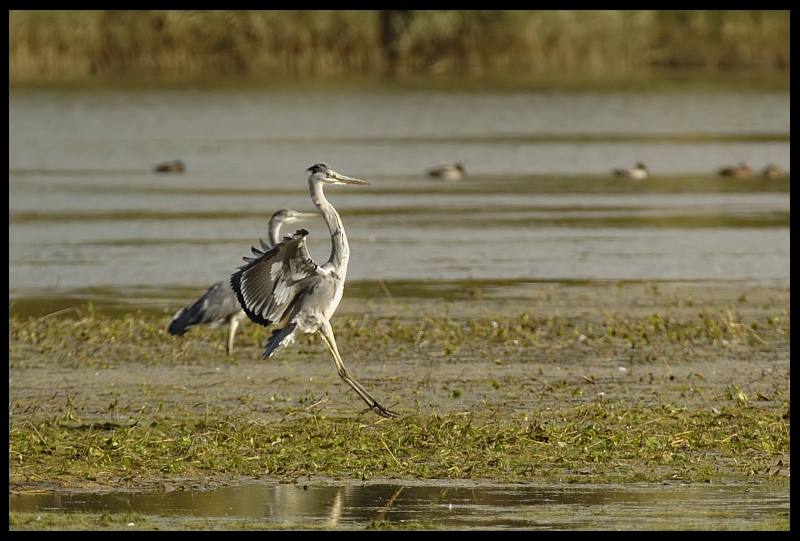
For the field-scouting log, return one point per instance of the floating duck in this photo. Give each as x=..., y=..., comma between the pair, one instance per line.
x=454, y=171
x=175, y=166
x=771, y=171
x=638, y=171
x=737, y=171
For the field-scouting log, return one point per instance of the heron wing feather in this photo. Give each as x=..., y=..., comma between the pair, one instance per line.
x=269, y=286
x=278, y=339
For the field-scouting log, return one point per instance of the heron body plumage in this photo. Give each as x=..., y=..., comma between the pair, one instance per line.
x=284, y=284
x=214, y=308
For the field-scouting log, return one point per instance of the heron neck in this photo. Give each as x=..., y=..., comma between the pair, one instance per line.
x=274, y=232
x=340, y=250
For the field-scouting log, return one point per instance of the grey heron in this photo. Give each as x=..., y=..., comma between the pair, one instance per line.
x=451, y=172
x=741, y=170
x=176, y=166
x=219, y=304
x=284, y=285
x=638, y=171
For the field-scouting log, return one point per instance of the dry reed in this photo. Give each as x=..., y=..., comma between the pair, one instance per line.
x=71, y=44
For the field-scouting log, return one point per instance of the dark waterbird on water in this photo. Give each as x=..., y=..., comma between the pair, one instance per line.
x=219, y=304
x=771, y=171
x=285, y=285
x=638, y=171
x=742, y=170
x=175, y=166
x=451, y=172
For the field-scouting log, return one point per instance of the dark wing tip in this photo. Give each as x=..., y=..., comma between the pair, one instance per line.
x=236, y=285
x=179, y=324
x=175, y=329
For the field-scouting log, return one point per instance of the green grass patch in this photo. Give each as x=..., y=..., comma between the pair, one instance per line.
x=698, y=399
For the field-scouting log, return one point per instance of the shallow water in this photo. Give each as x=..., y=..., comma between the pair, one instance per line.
x=449, y=506
x=90, y=222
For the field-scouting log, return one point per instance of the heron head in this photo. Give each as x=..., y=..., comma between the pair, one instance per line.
x=287, y=216
x=322, y=172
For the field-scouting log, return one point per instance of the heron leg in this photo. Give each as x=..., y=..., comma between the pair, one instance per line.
x=232, y=326
x=326, y=332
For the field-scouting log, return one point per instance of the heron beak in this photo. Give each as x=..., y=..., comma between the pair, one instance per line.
x=349, y=180
x=302, y=215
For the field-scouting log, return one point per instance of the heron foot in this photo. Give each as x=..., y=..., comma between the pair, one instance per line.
x=383, y=412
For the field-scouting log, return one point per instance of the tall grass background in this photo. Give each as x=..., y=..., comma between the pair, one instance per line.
x=54, y=45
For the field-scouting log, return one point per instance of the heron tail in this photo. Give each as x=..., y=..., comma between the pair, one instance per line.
x=218, y=304
x=181, y=322
x=279, y=338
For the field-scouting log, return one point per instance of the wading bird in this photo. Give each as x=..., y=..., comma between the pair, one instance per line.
x=737, y=171
x=638, y=171
x=284, y=285
x=219, y=304
x=454, y=171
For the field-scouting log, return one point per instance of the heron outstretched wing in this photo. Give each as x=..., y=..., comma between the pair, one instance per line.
x=269, y=286
x=258, y=252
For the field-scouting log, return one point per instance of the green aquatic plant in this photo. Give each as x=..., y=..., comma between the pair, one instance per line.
x=697, y=396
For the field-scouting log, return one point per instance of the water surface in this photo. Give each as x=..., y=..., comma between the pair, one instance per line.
x=448, y=506
x=90, y=222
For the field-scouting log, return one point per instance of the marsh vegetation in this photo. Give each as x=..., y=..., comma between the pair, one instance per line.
x=82, y=45
x=696, y=391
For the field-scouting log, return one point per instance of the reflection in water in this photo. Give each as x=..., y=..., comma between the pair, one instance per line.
x=451, y=506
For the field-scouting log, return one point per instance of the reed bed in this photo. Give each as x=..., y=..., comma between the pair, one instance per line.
x=52, y=45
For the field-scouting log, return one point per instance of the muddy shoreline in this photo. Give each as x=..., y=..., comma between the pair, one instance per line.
x=88, y=379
